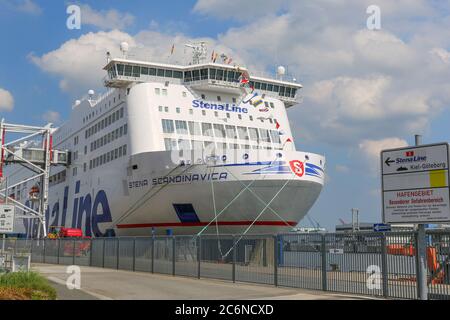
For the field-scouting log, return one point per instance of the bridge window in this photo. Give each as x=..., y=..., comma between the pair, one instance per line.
x=219, y=75
x=195, y=75
x=120, y=69
x=168, y=73
x=136, y=71
x=204, y=74
x=152, y=72
x=188, y=76
x=263, y=86
x=269, y=87
x=144, y=70
x=128, y=70
x=212, y=73
x=178, y=74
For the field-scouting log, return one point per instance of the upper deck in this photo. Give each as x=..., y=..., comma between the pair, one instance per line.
x=204, y=76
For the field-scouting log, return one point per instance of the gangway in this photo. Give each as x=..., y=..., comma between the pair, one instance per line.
x=31, y=147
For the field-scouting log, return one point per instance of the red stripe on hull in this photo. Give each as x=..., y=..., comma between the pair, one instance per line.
x=202, y=224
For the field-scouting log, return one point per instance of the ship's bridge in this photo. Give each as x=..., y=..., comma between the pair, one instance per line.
x=207, y=77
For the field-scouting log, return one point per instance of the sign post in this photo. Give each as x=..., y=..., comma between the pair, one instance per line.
x=415, y=189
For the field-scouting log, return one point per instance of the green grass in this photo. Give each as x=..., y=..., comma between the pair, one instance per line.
x=35, y=285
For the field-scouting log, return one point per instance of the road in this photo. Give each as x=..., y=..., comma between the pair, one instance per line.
x=109, y=284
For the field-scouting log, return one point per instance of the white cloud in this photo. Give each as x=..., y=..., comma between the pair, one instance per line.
x=371, y=150
x=6, y=100
x=342, y=168
x=51, y=116
x=25, y=6
x=237, y=9
x=105, y=19
x=78, y=62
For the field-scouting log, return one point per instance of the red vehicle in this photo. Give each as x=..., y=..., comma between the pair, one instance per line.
x=78, y=248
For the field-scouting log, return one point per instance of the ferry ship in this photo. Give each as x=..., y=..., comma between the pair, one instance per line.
x=198, y=148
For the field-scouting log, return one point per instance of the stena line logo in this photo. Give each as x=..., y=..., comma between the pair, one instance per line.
x=297, y=167
x=220, y=107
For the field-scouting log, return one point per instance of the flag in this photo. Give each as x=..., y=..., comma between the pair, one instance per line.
x=277, y=125
x=173, y=49
x=288, y=140
x=264, y=110
x=229, y=60
x=243, y=79
x=213, y=55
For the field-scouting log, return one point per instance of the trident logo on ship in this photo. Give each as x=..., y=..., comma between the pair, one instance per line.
x=297, y=167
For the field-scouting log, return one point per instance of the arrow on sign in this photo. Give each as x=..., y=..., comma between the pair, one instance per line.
x=381, y=227
x=389, y=161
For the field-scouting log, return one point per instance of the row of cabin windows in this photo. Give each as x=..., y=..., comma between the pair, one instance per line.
x=105, y=122
x=218, y=130
x=282, y=90
x=216, y=113
x=108, y=157
x=202, y=74
x=137, y=71
x=233, y=76
x=110, y=137
x=93, y=114
x=183, y=144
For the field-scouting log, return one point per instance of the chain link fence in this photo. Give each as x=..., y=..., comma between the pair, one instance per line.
x=374, y=264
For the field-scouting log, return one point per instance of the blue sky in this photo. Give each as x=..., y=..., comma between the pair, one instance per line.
x=364, y=90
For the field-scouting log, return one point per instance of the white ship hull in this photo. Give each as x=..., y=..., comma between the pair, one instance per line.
x=261, y=196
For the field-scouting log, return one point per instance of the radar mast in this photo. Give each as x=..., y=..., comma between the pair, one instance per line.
x=199, y=51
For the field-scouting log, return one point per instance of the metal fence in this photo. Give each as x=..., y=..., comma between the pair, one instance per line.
x=375, y=264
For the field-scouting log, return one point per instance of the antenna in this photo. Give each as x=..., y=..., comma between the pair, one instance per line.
x=124, y=47
x=281, y=71
x=199, y=51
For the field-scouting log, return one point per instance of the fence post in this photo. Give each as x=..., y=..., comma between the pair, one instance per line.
x=324, y=263
x=384, y=266
x=117, y=253
x=153, y=254
x=173, y=254
x=275, y=260
x=421, y=265
x=199, y=255
x=73, y=253
x=31, y=250
x=90, y=252
x=103, y=253
x=134, y=254
x=59, y=249
x=234, y=260
x=43, y=243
